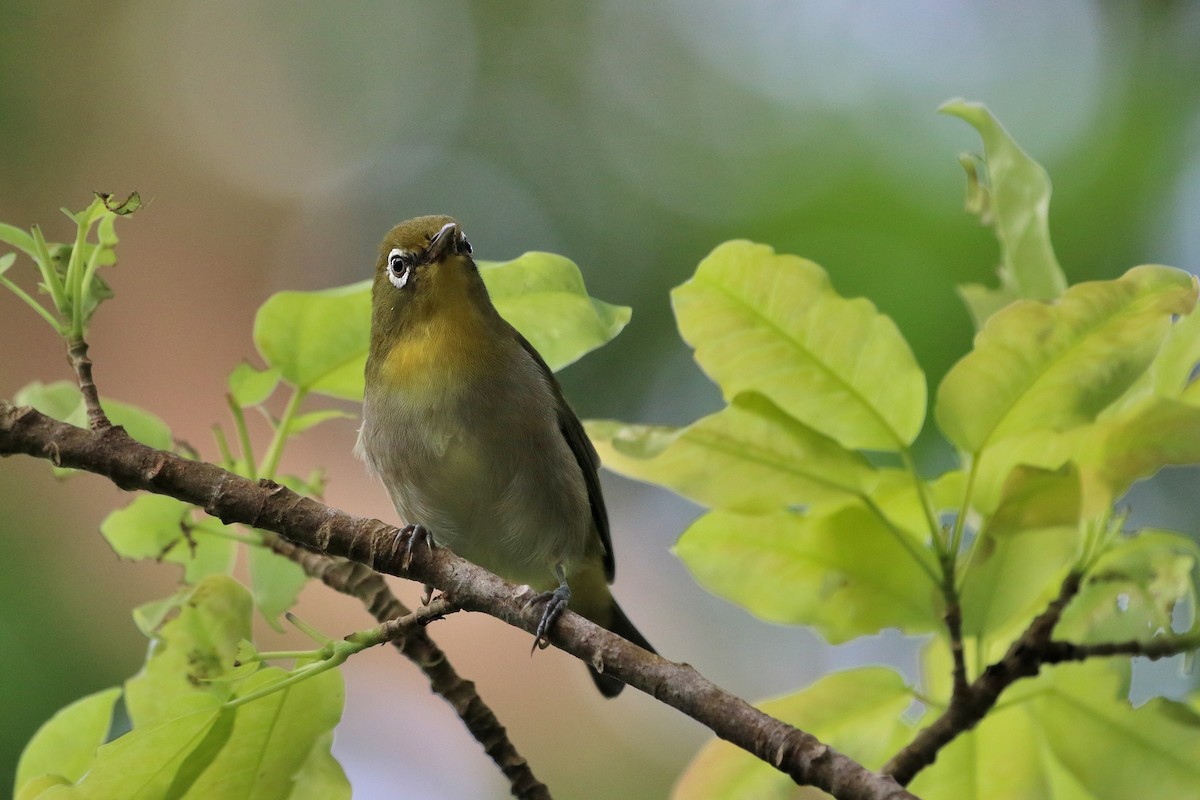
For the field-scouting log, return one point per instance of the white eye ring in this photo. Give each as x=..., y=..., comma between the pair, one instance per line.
x=400, y=264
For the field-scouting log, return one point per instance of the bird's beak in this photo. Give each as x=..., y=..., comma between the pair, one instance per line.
x=443, y=242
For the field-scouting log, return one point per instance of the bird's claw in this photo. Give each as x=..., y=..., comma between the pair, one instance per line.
x=411, y=537
x=556, y=602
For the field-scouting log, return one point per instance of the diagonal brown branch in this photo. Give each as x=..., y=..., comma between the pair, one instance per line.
x=368, y=586
x=310, y=524
x=970, y=704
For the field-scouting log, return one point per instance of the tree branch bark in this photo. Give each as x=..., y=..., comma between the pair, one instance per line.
x=308, y=523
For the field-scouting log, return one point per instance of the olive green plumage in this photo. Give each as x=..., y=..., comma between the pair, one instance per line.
x=470, y=432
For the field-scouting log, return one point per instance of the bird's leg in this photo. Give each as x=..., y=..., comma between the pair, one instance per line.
x=411, y=536
x=556, y=602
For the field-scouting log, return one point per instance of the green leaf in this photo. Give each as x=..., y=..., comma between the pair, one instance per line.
x=6, y=261
x=277, y=582
x=191, y=654
x=847, y=573
x=542, y=295
x=1023, y=551
x=1114, y=750
x=57, y=400
x=62, y=401
x=772, y=324
x=275, y=737
x=303, y=422
x=1133, y=589
x=1039, y=366
x=857, y=712
x=321, y=777
x=156, y=527
x=66, y=743
x=121, y=207
x=318, y=340
x=252, y=387
x=15, y=237
x=145, y=763
x=1016, y=201
x=749, y=457
x=999, y=759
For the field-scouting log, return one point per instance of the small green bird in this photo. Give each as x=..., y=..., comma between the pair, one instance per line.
x=470, y=433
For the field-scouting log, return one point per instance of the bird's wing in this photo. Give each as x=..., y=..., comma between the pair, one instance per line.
x=586, y=456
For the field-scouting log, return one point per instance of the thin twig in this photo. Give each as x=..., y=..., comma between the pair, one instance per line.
x=369, y=587
x=971, y=704
x=77, y=353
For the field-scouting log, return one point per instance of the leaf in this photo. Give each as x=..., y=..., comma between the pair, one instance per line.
x=276, y=583
x=65, y=745
x=144, y=763
x=274, y=737
x=321, y=777
x=303, y=422
x=318, y=340
x=62, y=401
x=749, y=457
x=7, y=261
x=153, y=526
x=1023, y=552
x=847, y=573
x=1016, y=202
x=1039, y=366
x=542, y=295
x=772, y=324
x=856, y=712
x=999, y=759
x=191, y=654
x=121, y=207
x=15, y=237
x=252, y=387
x=1133, y=589
x=1114, y=750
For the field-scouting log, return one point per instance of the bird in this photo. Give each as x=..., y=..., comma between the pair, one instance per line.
x=470, y=433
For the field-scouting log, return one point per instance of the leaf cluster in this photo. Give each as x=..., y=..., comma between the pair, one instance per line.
x=817, y=514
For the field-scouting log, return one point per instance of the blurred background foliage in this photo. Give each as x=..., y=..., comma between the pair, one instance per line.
x=277, y=142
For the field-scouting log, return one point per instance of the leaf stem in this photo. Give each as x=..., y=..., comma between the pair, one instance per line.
x=243, y=434
x=32, y=303
x=270, y=462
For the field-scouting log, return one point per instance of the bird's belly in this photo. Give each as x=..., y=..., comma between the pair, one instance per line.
x=494, y=492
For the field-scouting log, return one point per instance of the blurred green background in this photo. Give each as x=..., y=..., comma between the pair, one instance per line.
x=278, y=141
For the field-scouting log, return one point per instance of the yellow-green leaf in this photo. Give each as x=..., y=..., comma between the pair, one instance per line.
x=772, y=324
x=1039, y=366
x=847, y=573
x=65, y=745
x=1015, y=200
x=751, y=456
x=542, y=295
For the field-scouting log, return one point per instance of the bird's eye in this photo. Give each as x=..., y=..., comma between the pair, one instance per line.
x=400, y=264
x=463, y=245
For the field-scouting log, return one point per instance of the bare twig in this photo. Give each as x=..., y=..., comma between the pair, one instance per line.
x=369, y=587
x=311, y=524
x=77, y=354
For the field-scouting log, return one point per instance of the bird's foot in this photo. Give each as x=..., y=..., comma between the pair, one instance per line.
x=411, y=536
x=556, y=603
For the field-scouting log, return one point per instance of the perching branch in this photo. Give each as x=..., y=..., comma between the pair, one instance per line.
x=369, y=587
x=308, y=523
